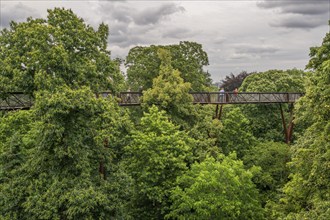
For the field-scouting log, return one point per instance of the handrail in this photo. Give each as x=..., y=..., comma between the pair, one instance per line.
x=17, y=100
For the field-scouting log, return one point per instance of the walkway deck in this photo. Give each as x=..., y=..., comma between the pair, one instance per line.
x=16, y=100
x=133, y=98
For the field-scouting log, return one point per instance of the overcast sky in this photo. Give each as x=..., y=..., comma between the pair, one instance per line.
x=237, y=35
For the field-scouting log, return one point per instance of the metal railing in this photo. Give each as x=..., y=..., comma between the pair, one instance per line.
x=16, y=100
x=244, y=98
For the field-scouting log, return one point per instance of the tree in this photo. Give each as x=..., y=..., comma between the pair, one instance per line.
x=236, y=134
x=14, y=151
x=272, y=158
x=266, y=122
x=216, y=189
x=61, y=49
x=319, y=54
x=59, y=177
x=307, y=195
x=169, y=91
x=231, y=82
x=158, y=154
x=188, y=58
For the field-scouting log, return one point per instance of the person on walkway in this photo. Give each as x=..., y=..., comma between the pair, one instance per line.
x=221, y=95
x=235, y=93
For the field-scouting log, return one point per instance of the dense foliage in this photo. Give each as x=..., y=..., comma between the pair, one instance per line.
x=75, y=155
x=307, y=195
x=266, y=122
x=231, y=82
x=188, y=58
x=216, y=189
x=61, y=49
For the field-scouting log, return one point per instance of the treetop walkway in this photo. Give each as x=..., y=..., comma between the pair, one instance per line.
x=133, y=98
x=17, y=100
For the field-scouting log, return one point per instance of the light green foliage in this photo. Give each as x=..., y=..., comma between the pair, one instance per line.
x=13, y=153
x=307, y=195
x=319, y=54
x=62, y=49
x=274, y=81
x=236, y=133
x=206, y=131
x=266, y=122
x=216, y=189
x=272, y=157
x=60, y=178
x=169, y=91
x=188, y=58
x=158, y=154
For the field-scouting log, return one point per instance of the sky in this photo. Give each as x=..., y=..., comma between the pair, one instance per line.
x=249, y=35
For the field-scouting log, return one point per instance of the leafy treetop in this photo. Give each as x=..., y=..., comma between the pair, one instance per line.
x=187, y=57
x=62, y=49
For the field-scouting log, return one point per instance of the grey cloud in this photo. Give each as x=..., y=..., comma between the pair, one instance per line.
x=123, y=13
x=130, y=22
x=299, y=22
x=178, y=33
x=302, y=14
x=125, y=41
x=125, y=36
x=238, y=56
x=307, y=7
x=18, y=12
x=219, y=40
x=155, y=15
x=117, y=29
x=255, y=50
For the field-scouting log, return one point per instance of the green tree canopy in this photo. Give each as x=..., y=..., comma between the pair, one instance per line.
x=187, y=57
x=266, y=122
x=307, y=195
x=158, y=154
x=236, y=134
x=274, y=81
x=216, y=189
x=58, y=50
x=319, y=54
x=234, y=81
x=59, y=176
x=169, y=91
x=272, y=157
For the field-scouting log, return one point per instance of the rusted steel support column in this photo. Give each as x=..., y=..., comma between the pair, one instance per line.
x=291, y=124
x=288, y=131
x=220, y=112
x=216, y=111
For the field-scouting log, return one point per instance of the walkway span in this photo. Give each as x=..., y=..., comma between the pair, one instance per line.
x=134, y=98
x=16, y=100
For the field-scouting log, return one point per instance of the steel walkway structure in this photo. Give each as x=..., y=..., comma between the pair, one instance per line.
x=203, y=98
x=17, y=100
x=20, y=101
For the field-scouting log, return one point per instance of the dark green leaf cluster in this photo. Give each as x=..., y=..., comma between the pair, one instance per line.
x=189, y=58
x=62, y=49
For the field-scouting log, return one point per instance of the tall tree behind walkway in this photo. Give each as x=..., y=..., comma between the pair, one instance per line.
x=265, y=120
x=59, y=50
x=188, y=57
x=307, y=195
x=231, y=81
x=169, y=91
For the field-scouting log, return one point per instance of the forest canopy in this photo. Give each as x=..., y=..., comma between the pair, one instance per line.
x=74, y=155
